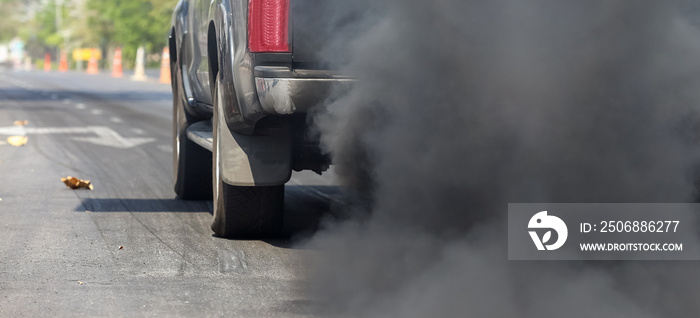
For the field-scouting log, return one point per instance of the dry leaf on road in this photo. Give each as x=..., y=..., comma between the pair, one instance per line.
x=17, y=141
x=21, y=122
x=75, y=183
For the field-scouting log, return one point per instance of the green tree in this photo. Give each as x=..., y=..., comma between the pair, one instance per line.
x=10, y=18
x=39, y=30
x=87, y=23
x=130, y=24
x=46, y=29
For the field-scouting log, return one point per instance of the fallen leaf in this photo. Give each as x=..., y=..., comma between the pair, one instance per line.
x=21, y=122
x=80, y=283
x=17, y=141
x=121, y=247
x=75, y=183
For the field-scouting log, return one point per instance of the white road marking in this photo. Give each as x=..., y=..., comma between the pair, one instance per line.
x=110, y=138
x=116, y=120
x=138, y=131
x=80, y=106
x=96, y=112
x=105, y=135
x=18, y=83
x=165, y=148
x=66, y=101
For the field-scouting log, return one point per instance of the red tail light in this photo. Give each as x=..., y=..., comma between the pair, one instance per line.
x=268, y=25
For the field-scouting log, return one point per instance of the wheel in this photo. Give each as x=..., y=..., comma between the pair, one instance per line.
x=191, y=163
x=242, y=212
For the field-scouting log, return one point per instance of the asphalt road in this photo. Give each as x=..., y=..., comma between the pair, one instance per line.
x=129, y=247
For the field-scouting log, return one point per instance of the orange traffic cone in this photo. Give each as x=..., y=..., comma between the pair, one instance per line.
x=64, y=63
x=117, y=70
x=47, y=62
x=92, y=64
x=165, y=66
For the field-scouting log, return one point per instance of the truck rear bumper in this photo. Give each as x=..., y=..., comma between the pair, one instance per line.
x=283, y=92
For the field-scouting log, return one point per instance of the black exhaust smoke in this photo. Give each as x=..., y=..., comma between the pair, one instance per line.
x=464, y=106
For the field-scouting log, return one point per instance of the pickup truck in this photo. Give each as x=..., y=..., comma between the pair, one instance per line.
x=245, y=74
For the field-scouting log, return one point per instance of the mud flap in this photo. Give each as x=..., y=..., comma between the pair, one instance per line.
x=254, y=160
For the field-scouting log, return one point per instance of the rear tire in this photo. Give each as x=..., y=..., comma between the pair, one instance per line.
x=242, y=211
x=191, y=163
x=248, y=212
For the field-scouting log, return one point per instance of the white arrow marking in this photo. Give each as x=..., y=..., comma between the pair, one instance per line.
x=105, y=135
x=110, y=138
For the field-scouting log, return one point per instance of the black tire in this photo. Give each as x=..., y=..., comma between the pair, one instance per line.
x=191, y=163
x=240, y=211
